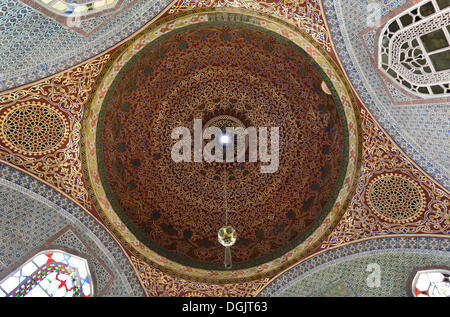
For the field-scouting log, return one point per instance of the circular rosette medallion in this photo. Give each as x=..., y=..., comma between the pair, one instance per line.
x=33, y=128
x=221, y=68
x=396, y=198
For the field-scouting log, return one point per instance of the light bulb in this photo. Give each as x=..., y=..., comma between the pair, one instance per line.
x=224, y=139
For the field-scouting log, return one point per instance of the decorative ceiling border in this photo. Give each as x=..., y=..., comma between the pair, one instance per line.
x=304, y=14
x=159, y=284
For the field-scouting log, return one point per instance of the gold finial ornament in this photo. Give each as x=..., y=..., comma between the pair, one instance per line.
x=227, y=237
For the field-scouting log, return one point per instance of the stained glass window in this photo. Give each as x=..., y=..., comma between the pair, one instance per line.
x=414, y=49
x=431, y=283
x=50, y=273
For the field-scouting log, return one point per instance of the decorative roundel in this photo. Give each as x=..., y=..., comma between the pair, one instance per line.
x=396, y=198
x=33, y=128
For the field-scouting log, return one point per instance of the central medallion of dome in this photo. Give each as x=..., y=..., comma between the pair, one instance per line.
x=226, y=74
x=224, y=121
x=227, y=138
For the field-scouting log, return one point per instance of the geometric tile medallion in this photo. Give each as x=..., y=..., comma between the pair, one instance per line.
x=396, y=198
x=33, y=128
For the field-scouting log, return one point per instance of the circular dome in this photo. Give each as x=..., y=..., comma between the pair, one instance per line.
x=226, y=69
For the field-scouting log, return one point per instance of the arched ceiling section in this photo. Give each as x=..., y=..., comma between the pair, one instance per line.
x=376, y=267
x=35, y=44
x=35, y=217
x=420, y=127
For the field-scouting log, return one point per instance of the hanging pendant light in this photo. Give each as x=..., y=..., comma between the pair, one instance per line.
x=227, y=237
x=227, y=234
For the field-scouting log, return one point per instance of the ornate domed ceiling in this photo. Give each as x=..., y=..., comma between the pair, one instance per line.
x=201, y=72
x=208, y=65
